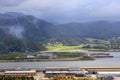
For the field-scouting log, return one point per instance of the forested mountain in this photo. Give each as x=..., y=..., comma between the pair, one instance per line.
x=99, y=29
x=20, y=32
x=25, y=26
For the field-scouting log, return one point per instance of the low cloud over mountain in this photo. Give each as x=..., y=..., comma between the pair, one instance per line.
x=20, y=32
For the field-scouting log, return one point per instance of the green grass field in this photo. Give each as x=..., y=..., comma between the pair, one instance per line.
x=62, y=47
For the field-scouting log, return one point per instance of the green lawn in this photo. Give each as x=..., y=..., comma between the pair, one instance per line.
x=61, y=47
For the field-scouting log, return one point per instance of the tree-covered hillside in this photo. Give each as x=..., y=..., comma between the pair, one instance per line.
x=99, y=30
x=21, y=33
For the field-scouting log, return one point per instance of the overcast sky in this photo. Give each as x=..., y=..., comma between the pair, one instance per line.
x=62, y=11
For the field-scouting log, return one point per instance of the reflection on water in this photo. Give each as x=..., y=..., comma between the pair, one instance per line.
x=41, y=65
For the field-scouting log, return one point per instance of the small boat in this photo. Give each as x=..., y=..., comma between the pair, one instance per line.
x=101, y=55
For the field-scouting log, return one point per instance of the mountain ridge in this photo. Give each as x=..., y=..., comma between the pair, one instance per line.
x=99, y=29
x=20, y=32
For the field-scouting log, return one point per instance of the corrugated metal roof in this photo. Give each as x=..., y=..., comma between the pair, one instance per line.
x=11, y=72
x=109, y=72
x=63, y=72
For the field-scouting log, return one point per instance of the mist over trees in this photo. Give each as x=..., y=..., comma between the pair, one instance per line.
x=21, y=33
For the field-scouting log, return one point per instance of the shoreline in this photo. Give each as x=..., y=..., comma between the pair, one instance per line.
x=2, y=61
x=86, y=50
x=58, y=59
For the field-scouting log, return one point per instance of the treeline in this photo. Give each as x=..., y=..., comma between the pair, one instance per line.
x=10, y=44
x=68, y=41
x=16, y=78
x=88, y=43
x=12, y=56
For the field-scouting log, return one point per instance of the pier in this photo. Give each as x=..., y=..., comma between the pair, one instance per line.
x=102, y=68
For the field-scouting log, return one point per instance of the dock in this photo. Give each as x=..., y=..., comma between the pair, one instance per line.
x=102, y=68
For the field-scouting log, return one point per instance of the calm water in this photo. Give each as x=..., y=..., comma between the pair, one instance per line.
x=41, y=65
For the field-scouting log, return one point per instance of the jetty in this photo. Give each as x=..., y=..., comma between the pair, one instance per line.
x=102, y=68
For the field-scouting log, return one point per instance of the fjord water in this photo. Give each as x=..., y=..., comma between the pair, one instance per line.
x=42, y=65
